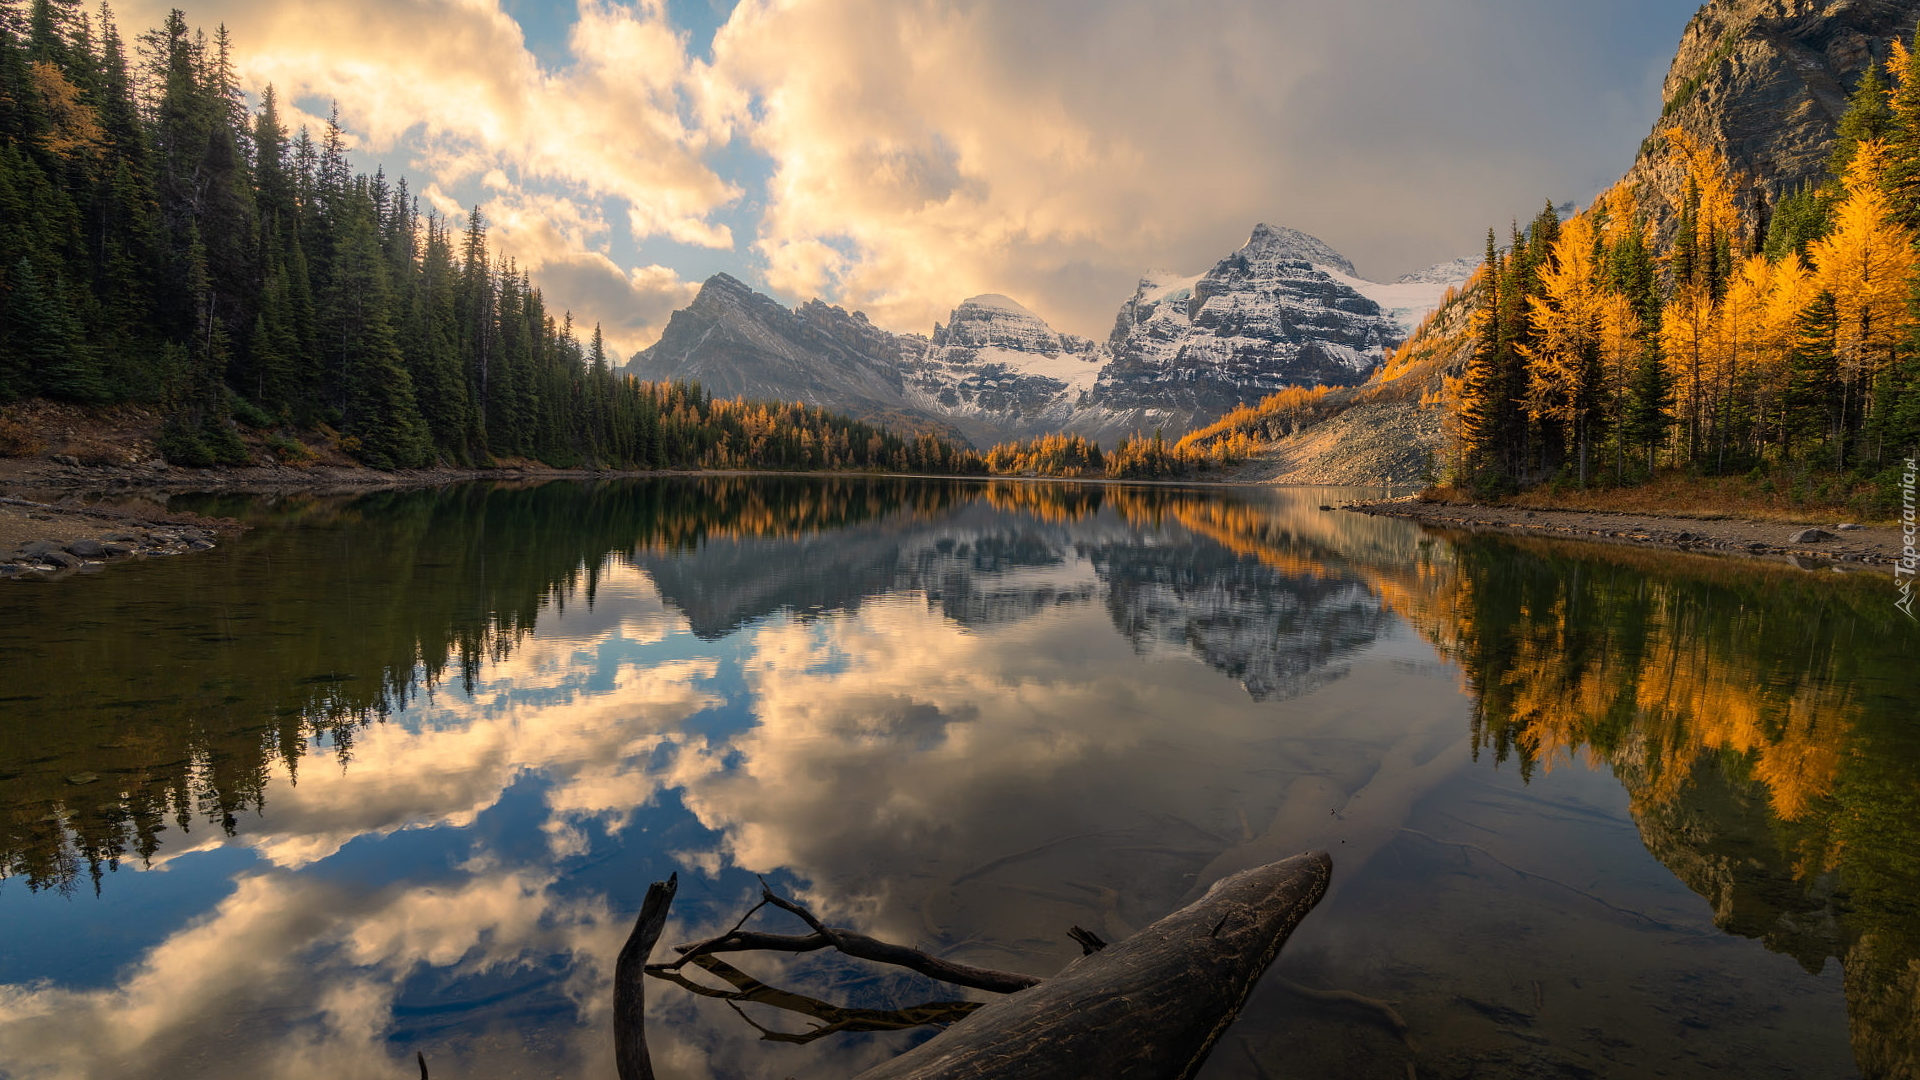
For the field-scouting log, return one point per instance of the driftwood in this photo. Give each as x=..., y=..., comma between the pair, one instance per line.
x=1147, y=1008
x=629, y=982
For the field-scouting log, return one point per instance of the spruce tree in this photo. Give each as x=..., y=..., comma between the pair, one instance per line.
x=1810, y=401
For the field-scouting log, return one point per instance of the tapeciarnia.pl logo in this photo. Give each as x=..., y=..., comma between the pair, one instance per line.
x=1903, y=570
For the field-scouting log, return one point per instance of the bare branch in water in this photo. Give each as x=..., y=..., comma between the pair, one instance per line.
x=832, y=1017
x=856, y=945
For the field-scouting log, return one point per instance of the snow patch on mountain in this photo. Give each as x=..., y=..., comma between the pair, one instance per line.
x=998, y=371
x=1451, y=272
x=1405, y=302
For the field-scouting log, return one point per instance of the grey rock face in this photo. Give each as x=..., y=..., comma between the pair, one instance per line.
x=1810, y=536
x=87, y=549
x=1272, y=314
x=1766, y=81
x=998, y=372
x=1283, y=310
x=737, y=343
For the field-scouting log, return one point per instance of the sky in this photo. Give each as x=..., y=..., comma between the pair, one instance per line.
x=898, y=156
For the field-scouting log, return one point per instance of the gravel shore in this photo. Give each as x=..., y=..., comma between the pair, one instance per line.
x=1839, y=546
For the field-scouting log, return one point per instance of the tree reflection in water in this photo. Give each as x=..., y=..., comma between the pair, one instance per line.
x=1761, y=722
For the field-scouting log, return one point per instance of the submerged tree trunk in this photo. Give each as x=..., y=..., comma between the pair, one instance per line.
x=1147, y=1008
x=629, y=984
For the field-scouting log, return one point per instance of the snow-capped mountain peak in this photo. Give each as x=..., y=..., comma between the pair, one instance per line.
x=1274, y=243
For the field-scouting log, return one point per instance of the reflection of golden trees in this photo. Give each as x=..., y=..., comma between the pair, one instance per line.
x=761, y=507
x=1709, y=687
x=1057, y=504
x=1599, y=659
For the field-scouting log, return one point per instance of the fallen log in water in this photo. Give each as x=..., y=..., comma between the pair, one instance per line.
x=1147, y=1008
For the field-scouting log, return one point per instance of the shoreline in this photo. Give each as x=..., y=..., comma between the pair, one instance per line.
x=59, y=519
x=1846, y=548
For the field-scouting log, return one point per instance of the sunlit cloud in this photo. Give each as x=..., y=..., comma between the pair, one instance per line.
x=529, y=712
x=925, y=151
x=898, y=157
x=289, y=944
x=914, y=772
x=453, y=84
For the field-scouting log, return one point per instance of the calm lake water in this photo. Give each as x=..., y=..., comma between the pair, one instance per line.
x=391, y=774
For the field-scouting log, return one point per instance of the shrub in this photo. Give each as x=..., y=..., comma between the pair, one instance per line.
x=18, y=440
x=287, y=450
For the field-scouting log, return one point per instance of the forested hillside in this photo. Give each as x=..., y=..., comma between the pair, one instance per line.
x=165, y=243
x=1604, y=354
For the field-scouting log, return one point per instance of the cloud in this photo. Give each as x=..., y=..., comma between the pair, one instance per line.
x=920, y=151
x=927, y=150
x=286, y=945
x=940, y=785
x=561, y=242
x=452, y=84
x=530, y=712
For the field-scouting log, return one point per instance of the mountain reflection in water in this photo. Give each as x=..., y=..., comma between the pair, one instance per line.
x=391, y=773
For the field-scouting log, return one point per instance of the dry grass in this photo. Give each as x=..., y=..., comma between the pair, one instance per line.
x=17, y=439
x=1814, y=500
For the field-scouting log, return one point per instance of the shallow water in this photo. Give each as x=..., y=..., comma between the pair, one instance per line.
x=391, y=772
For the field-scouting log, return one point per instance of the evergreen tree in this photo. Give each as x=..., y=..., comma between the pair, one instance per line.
x=1811, y=399
x=1800, y=218
x=1648, y=399
x=1869, y=117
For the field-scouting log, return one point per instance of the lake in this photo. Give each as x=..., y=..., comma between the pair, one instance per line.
x=390, y=774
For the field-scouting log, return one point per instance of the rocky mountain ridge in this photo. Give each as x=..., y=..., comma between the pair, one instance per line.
x=998, y=371
x=1284, y=309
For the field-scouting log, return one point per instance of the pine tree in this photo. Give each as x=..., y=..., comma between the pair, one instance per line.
x=376, y=400
x=1648, y=400
x=1869, y=117
x=1799, y=218
x=1811, y=399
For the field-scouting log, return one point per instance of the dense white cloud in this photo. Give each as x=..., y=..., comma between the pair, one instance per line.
x=452, y=85
x=921, y=151
x=930, y=149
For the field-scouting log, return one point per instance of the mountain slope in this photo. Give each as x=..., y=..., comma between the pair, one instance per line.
x=736, y=342
x=998, y=372
x=1281, y=311
x=1765, y=82
x=1762, y=82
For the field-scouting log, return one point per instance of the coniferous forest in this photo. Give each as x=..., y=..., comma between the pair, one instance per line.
x=166, y=243
x=1604, y=353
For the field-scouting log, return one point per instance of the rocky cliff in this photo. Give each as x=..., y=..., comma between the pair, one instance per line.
x=1283, y=310
x=1765, y=81
x=738, y=343
x=998, y=372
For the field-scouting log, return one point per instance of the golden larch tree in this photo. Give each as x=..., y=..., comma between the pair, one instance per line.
x=1563, y=360
x=1867, y=261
